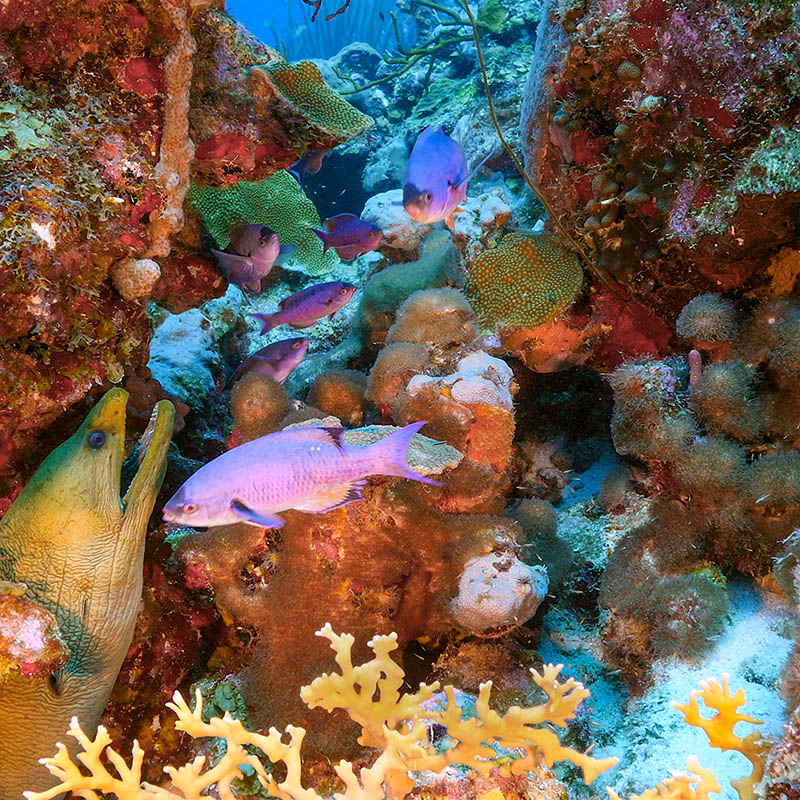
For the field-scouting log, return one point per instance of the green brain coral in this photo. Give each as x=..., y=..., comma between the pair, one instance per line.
x=277, y=202
x=524, y=281
x=326, y=117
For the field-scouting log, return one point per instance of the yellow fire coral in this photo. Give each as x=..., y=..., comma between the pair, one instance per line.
x=395, y=723
x=524, y=281
x=327, y=118
x=277, y=202
x=719, y=729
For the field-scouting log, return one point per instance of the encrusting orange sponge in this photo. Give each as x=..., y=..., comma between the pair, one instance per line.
x=395, y=723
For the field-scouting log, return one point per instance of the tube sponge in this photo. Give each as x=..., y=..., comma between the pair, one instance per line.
x=725, y=401
x=439, y=316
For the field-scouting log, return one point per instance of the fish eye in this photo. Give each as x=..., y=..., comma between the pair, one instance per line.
x=428, y=197
x=342, y=291
x=190, y=508
x=296, y=345
x=96, y=440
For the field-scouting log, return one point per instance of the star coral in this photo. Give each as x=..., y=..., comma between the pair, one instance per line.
x=277, y=202
x=524, y=281
x=327, y=119
x=393, y=723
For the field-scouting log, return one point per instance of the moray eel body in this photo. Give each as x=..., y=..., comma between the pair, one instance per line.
x=79, y=548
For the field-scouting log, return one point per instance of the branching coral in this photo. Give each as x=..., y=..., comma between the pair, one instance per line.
x=719, y=729
x=394, y=723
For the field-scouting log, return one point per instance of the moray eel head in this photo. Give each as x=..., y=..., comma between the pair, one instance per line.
x=85, y=470
x=79, y=548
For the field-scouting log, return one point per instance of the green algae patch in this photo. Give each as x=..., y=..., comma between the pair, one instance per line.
x=277, y=202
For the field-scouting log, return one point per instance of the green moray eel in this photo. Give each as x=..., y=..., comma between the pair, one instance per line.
x=79, y=549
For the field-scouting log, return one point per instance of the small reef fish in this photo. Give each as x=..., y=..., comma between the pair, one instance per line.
x=252, y=253
x=306, y=469
x=309, y=163
x=276, y=360
x=304, y=308
x=436, y=177
x=350, y=236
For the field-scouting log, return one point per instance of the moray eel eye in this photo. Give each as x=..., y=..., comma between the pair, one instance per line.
x=96, y=440
x=190, y=508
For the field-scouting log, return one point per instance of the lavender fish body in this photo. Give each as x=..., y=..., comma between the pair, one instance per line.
x=304, y=308
x=350, y=236
x=307, y=469
x=436, y=177
x=276, y=360
x=252, y=253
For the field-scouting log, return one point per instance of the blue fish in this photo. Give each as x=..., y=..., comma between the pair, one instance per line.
x=436, y=177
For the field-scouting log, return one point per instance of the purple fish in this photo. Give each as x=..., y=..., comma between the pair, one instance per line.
x=252, y=253
x=309, y=163
x=308, y=469
x=350, y=236
x=276, y=360
x=304, y=308
x=436, y=177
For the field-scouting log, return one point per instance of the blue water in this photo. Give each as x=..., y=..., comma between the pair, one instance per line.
x=287, y=26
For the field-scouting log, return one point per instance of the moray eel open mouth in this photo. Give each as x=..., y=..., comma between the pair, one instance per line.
x=103, y=440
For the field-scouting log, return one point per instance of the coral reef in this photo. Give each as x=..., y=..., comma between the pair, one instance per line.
x=723, y=459
x=661, y=132
x=79, y=552
x=242, y=89
x=523, y=282
x=277, y=202
x=720, y=731
x=103, y=104
x=393, y=723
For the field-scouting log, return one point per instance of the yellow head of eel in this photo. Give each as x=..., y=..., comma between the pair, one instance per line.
x=79, y=549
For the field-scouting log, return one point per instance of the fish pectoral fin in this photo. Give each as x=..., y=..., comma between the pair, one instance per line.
x=335, y=497
x=258, y=518
x=449, y=222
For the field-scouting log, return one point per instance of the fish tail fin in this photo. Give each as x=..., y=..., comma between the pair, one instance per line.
x=268, y=321
x=324, y=236
x=388, y=455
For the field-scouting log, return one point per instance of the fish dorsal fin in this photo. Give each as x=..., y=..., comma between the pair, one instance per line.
x=333, y=497
x=336, y=435
x=338, y=220
x=314, y=434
